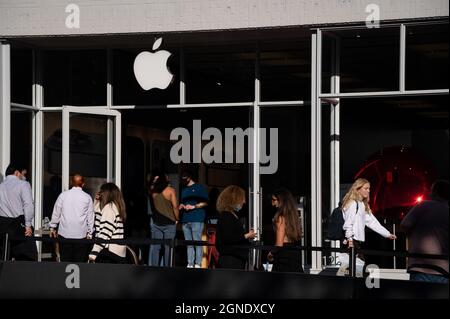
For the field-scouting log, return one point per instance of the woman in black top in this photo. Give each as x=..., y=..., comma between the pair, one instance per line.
x=286, y=224
x=230, y=232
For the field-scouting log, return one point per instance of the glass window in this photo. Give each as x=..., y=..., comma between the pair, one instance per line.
x=127, y=90
x=369, y=59
x=52, y=160
x=401, y=146
x=285, y=70
x=21, y=139
x=75, y=78
x=427, y=57
x=21, y=76
x=147, y=146
x=220, y=74
x=294, y=162
x=88, y=149
x=328, y=47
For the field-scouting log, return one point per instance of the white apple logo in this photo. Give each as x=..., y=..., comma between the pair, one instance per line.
x=150, y=69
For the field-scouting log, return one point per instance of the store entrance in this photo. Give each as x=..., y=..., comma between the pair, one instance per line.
x=147, y=144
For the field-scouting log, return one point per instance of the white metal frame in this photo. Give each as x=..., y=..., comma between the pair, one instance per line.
x=5, y=106
x=316, y=155
x=335, y=133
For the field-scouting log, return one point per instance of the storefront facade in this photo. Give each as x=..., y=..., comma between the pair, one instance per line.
x=339, y=89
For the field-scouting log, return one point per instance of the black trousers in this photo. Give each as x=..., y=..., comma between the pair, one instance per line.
x=231, y=262
x=287, y=259
x=19, y=249
x=74, y=252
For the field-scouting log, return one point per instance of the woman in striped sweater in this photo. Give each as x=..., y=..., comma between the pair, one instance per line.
x=110, y=215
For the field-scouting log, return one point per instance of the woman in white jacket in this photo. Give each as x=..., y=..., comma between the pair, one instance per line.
x=357, y=214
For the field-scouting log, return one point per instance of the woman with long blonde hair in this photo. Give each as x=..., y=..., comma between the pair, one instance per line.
x=357, y=214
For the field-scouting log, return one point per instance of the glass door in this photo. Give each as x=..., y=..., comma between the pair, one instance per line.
x=91, y=146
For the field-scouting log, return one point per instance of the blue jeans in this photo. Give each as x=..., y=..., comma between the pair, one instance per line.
x=193, y=231
x=418, y=276
x=161, y=232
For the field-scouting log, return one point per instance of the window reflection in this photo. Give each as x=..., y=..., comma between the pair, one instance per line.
x=21, y=76
x=294, y=159
x=285, y=70
x=88, y=149
x=369, y=59
x=52, y=160
x=220, y=74
x=21, y=140
x=427, y=57
x=75, y=78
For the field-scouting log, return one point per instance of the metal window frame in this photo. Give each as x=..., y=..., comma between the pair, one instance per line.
x=316, y=156
x=335, y=133
x=38, y=142
x=5, y=107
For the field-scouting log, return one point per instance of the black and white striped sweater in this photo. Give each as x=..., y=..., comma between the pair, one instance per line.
x=108, y=225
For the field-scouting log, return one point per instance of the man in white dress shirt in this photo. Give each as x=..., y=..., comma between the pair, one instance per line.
x=74, y=212
x=17, y=212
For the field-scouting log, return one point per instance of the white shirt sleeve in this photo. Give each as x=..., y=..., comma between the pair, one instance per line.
x=57, y=209
x=350, y=219
x=90, y=217
x=28, y=204
x=375, y=225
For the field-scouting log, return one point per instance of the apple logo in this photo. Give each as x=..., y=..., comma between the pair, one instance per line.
x=150, y=69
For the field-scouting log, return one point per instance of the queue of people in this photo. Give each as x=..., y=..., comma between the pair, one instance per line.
x=76, y=217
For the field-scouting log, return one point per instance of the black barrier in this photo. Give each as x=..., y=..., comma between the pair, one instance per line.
x=109, y=281
x=256, y=246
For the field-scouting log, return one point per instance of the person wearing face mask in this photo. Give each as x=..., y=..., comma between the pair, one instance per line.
x=230, y=232
x=286, y=224
x=17, y=212
x=194, y=198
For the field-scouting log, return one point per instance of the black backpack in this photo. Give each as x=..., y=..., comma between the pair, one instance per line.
x=336, y=224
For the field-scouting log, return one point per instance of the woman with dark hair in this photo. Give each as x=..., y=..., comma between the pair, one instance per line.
x=286, y=224
x=110, y=214
x=230, y=232
x=164, y=218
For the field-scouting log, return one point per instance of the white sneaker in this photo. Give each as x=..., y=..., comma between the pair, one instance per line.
x=197, y=266
x=190, y=266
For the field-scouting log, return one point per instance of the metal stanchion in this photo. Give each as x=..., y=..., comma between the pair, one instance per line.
x=6, y=247
x=172, y=252
x=393, y=245
x=352, y=262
